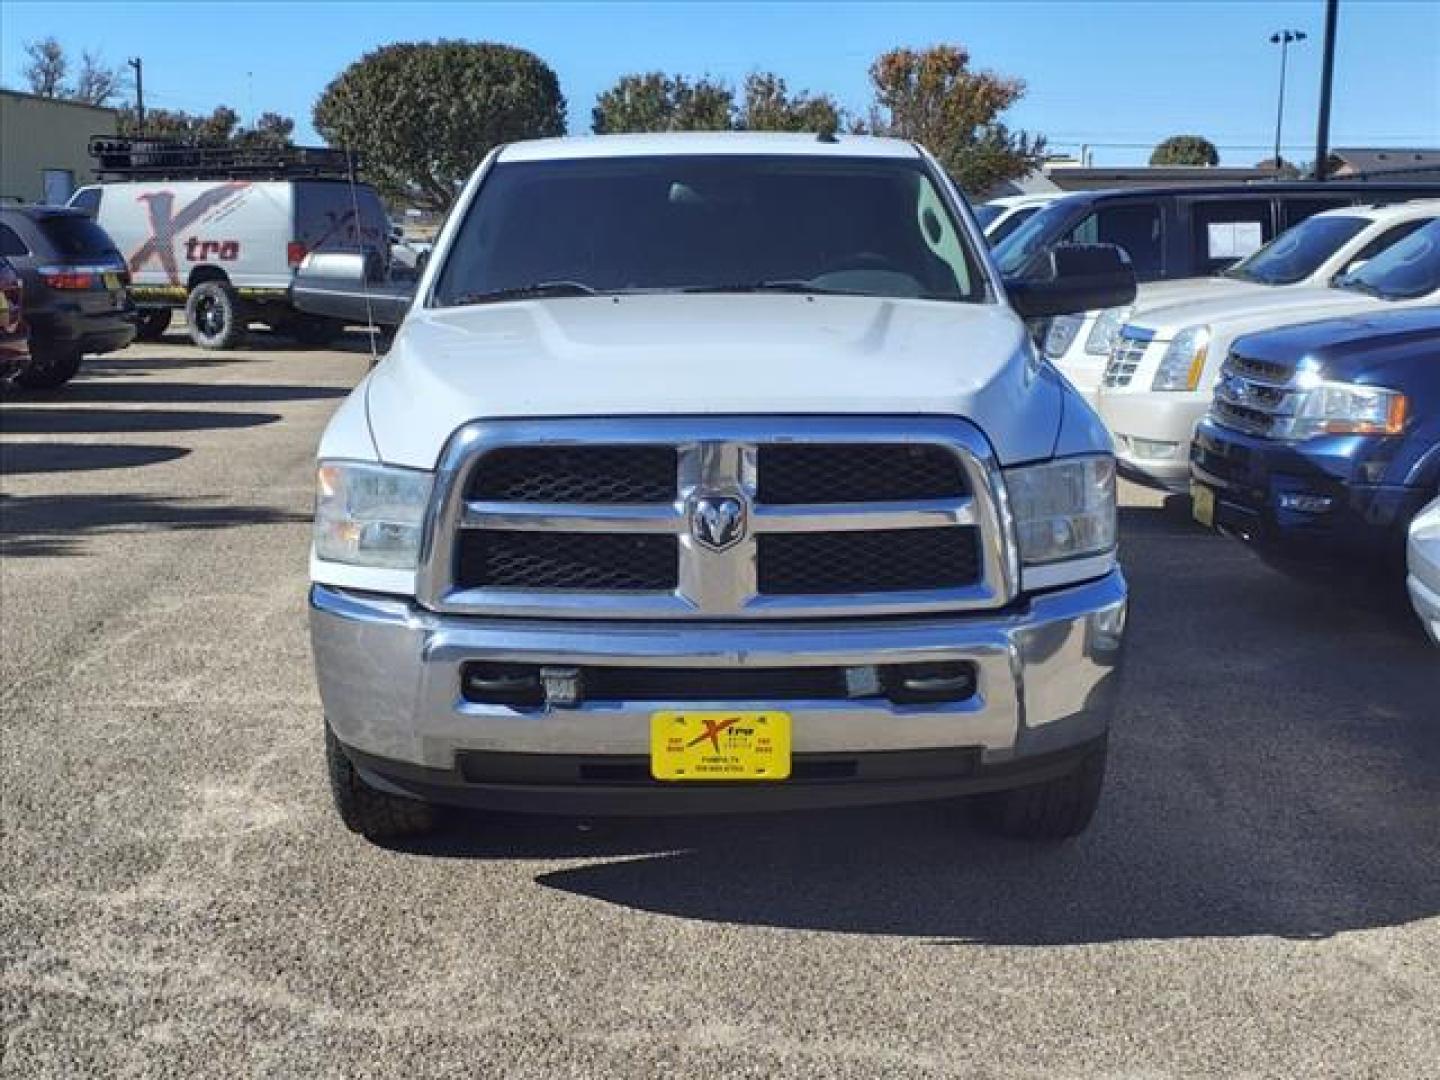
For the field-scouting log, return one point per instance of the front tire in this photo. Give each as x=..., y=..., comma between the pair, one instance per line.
x=216, y=316
x=375, y=815
x=1057, y=809
x=153, y=323
x=51, y=366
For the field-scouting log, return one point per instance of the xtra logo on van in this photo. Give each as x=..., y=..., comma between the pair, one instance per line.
x=166, y=222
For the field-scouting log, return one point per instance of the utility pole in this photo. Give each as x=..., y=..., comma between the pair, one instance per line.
x=1283, y=38
x=135, y=63
x=1327, y=78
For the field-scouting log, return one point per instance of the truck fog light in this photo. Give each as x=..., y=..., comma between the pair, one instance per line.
x=1304, y=503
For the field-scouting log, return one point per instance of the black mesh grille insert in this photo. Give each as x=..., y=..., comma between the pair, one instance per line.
x=884, y=560
x=542, y=560
x=576, y=474
x=859, y=472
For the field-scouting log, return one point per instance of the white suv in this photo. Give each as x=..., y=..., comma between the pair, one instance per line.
x=1312, y=253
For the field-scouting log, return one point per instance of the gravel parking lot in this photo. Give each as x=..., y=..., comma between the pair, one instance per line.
x=1259, y=896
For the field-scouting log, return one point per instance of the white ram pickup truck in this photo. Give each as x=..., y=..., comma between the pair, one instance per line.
x=719, y=472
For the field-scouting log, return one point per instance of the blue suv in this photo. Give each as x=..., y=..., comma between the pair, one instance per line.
x=1324, y=440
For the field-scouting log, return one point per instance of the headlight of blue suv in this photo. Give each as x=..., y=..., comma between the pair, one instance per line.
x=1335, y=408
x=1106, y=329
x=1184, y=360
x=1061, y=335
x=370, y=515
x=1063, y=509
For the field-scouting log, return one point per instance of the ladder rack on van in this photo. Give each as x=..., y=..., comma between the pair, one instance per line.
x=169, y=159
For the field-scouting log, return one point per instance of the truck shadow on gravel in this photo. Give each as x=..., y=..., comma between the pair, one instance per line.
x=53, y=525
x=49, y=457
x=28, y=420
x=1276, y=771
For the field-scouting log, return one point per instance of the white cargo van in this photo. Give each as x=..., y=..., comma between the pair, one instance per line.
x=219, y=231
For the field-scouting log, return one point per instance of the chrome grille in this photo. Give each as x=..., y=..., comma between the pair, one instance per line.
x=1253, y=396
x=1125, y=359
x=839, y=517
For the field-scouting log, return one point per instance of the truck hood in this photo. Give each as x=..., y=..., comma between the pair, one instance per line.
x=1167, y=320
x=1353, y=347
x=678, y=355
x=1157, y=294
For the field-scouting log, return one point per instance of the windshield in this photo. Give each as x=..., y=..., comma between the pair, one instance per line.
x=1042, y=231
x=986, y=213
x=677, y=223
x=1406, y=271
x=1297, y=253
x=76, y=236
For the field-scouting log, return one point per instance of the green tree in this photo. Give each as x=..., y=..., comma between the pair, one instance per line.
x=768, y=106
x=421, y=115
x=934, y=97
x=1185, y=150
x=220, y=127
x=654, y=101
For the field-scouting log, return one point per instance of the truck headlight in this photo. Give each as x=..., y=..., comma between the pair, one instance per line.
x=1063, y=509
x=1061, y=335
x=1107, y=329
x=1184, y=360
x=370, y=515
x=1334, y=408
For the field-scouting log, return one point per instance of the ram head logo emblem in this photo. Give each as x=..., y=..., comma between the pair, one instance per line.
x=717, y=521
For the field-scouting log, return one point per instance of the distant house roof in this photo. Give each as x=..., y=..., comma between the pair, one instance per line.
x=1388, y=160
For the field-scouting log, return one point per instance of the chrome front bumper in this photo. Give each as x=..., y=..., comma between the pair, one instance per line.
x=389, y=677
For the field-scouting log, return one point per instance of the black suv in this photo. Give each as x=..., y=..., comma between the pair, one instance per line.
x=75, y=280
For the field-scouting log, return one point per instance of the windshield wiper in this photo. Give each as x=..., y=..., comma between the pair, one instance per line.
x=525, y=292
x=768, y=286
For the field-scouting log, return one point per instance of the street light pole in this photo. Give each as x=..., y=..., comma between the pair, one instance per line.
x=135, y=63
x=1327, y=80
x=1283, y=38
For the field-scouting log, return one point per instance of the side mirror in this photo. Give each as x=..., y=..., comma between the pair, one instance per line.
x=351, y=285
x=1074, y=278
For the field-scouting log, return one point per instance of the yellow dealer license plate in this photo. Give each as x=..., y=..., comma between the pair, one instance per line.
x=720, y=745
x=112, y=281
x=1202, y=505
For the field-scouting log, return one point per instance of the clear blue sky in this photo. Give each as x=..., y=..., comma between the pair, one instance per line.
x=1107, y=74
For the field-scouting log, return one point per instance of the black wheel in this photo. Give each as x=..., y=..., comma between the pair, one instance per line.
x=50, y=366
x=1055, y=810
x=313, y=329
x=153, y=323
x=375, y=815
x=216, y=316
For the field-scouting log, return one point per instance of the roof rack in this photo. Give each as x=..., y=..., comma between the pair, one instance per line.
x=173, y=159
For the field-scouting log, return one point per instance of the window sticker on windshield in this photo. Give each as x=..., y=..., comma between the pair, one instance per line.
x=1234, y=239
